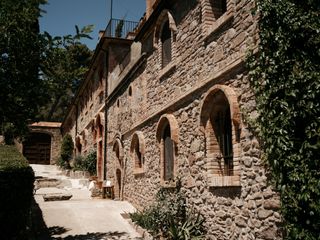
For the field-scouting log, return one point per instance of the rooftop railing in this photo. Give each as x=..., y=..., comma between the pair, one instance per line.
x=119, y=28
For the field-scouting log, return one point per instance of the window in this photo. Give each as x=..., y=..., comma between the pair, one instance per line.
x=167, y=136
x=221, y=136
x=218, y=7
x=137, y=152
x=216, y=13
x=164, y=40
x=220, y=119
x=166, y=44
x=168, y=154
x=137, y=157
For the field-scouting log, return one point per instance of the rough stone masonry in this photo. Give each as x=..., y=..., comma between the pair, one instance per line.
x=176, y=102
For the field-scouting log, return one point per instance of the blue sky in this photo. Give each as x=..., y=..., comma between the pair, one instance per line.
x=62, y=15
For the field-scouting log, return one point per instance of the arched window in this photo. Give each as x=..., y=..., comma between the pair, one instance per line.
x=118, y=164
x=220, y=140
x=137, y=150
x=168, y=149
x=216, y=13
x=167, y=135
x=220, y=119
x=166, y=44
x=164, y=38
x=218, y=7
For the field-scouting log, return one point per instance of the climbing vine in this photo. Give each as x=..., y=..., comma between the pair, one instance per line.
x=285, y=77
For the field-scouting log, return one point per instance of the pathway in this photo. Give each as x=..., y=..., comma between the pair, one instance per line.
x=81, y=217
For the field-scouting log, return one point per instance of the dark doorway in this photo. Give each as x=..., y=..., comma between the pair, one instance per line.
x=37, y=148
x=118, y=191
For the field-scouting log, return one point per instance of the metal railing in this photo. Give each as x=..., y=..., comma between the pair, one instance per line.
x=119, y=28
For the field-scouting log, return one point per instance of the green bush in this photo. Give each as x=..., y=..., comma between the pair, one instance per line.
x=16, y=188
x=87, y=163
x=285, y=78
x=67, y=147
x=170, y=217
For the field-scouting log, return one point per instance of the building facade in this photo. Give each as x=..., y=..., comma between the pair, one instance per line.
x=175, y=100
x=42, y=144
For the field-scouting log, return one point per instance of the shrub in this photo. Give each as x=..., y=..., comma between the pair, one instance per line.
x=8, y=132
x=87, y=163
x=16, y=187
x=66, y=152
x=170, y=216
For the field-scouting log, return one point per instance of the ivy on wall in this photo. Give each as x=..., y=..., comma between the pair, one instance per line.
x=285, y=77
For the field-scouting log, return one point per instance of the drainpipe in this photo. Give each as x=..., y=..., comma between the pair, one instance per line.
x=105, y=122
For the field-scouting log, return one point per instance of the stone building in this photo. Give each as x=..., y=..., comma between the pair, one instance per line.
x=42, y=145
x=170, y=101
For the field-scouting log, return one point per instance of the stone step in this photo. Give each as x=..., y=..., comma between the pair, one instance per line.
x=57, y=197
x=44, y=182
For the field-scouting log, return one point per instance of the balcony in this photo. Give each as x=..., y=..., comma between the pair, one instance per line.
x=119, y=28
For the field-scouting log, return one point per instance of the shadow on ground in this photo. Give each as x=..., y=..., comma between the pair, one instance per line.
x=41, y=232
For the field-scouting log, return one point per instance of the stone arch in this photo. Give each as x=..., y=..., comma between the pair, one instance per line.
x=168, y=137
x=173, y=126
x=118, y=149
x=163, y=17
x=137, y=150
x=166, y=48
x=220, y=122
x=232, y=99
x=212, y=10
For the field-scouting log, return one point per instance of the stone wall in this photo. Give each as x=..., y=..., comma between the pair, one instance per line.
x=205, y=57
x=52, y=129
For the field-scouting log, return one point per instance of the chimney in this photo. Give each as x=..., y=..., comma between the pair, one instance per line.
x=149, y=7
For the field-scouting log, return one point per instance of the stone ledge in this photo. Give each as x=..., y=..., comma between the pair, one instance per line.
x=224, y=181
x=138, y=171
x=57, y=197
x=220, y=22
x=167, y=69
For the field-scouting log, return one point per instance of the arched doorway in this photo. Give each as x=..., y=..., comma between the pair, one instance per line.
x=37, y=148
x=118, y=187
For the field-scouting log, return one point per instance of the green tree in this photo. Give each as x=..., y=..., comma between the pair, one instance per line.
x=66, y=60
x=21, y=87
x=66, y=153
x=285, y=75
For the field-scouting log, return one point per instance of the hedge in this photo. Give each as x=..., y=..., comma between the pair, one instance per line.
x=16, y=188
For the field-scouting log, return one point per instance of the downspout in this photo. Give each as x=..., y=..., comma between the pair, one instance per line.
x=105, y=122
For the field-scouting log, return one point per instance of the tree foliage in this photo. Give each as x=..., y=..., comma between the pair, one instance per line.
x=39, y=74
x=66, y=152
x=285, y=75
x=21, y=89
x=65, y=62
